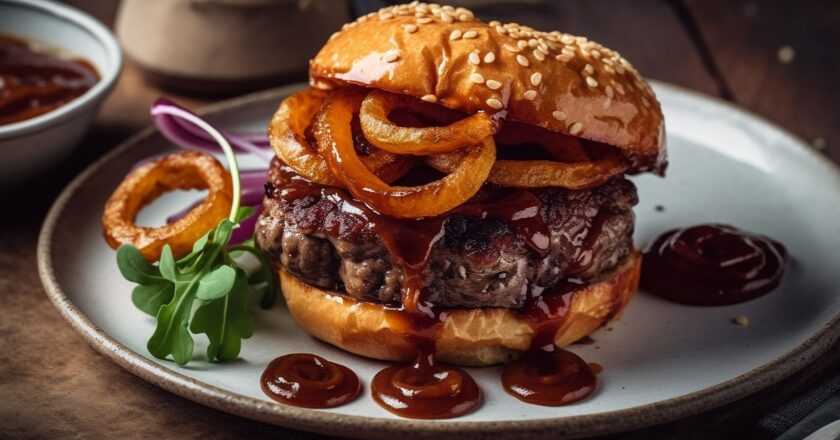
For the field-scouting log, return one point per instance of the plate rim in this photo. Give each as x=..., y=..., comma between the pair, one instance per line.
x=375, y=427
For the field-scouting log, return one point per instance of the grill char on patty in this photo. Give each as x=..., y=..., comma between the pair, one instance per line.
x=477, y=262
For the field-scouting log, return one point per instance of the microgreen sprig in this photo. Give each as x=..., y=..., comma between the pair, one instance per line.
x=206, y=291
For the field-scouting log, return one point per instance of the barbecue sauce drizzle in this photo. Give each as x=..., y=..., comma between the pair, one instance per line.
x=545, y=375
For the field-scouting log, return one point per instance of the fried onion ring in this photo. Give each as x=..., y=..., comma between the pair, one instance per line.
x=185, y=170
x=541, y=173
x=287, y=134
x=335, y=143
x=387, y=135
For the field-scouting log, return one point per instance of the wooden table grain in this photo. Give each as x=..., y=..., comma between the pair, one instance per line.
x=777, y=59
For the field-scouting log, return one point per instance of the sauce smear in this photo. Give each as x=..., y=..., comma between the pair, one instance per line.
x=310, y=381
x=33, y=83
x=712, y=265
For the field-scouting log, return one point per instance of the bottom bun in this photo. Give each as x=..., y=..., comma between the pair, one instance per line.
x=470, y=337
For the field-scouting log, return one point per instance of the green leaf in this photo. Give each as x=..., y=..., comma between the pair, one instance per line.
x=171, y=335
x=199, y=244
x=265, y=274
x=152, y=297
x=226, y=321
x=167, y=264
x=134, y=267
x=216, y=284
x=243, y=213
x=197, y=249
x=223, y=232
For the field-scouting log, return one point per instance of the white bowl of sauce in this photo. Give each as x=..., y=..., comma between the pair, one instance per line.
x=57, y=65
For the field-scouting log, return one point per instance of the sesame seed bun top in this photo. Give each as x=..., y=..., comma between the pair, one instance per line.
x=558, y=81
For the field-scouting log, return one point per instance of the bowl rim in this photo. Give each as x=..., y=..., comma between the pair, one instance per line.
x=106, y=39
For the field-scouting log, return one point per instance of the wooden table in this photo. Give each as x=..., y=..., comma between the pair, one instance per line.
x=777, y=60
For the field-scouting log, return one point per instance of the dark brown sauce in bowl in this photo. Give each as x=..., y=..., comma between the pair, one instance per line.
x=310, y=381
x=35, y=82
x=712, y=265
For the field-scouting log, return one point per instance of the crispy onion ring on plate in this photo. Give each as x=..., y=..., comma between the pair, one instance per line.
x=335, y=142
x=541, y=173
x=185, y=170
x=287, y=135
x=387, y=135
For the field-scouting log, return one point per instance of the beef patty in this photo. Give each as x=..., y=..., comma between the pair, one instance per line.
x=476, y=263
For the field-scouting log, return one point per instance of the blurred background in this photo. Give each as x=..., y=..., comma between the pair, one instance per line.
x=777, y=59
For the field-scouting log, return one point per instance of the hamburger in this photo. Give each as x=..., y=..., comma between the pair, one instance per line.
x=459, y=184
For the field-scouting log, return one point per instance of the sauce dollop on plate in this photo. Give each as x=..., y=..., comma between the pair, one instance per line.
x=712, y=265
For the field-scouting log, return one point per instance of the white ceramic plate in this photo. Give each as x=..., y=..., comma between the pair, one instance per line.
x=661, y=361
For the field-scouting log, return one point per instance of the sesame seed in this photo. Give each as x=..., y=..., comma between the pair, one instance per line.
x=510, y=48
x=620, y=69
x=489, y=57
x=532, y=42
x=473, y=58
x=567, y=39
x=536, y=78
x=493, y=84
x=530, y=94
x=410, y=28
x=495, y=103
x=558, y=114
x=786, y=54
x=469, y=35
x=390, y=57
x=591, y=82
x=522, y=61
x=609, y=91
x=476, y=78
x=386, y=16
x=588, y=69
x=741, y=320
x=595, y=53
x=608, y=69
x=818, y=143
x=575, y=128
x=619, y=88
x=429, y=98
x=608, y=61
x=539, y=55
x=424, y=20
x=564, y=58
x=456, y=34
x=522, y=44
x=446, y=18
x=494, y=23
x=501, y=30
x=464, y=17
x=606, y=104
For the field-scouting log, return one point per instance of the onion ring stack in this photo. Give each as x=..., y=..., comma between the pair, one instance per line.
x=314, y=133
